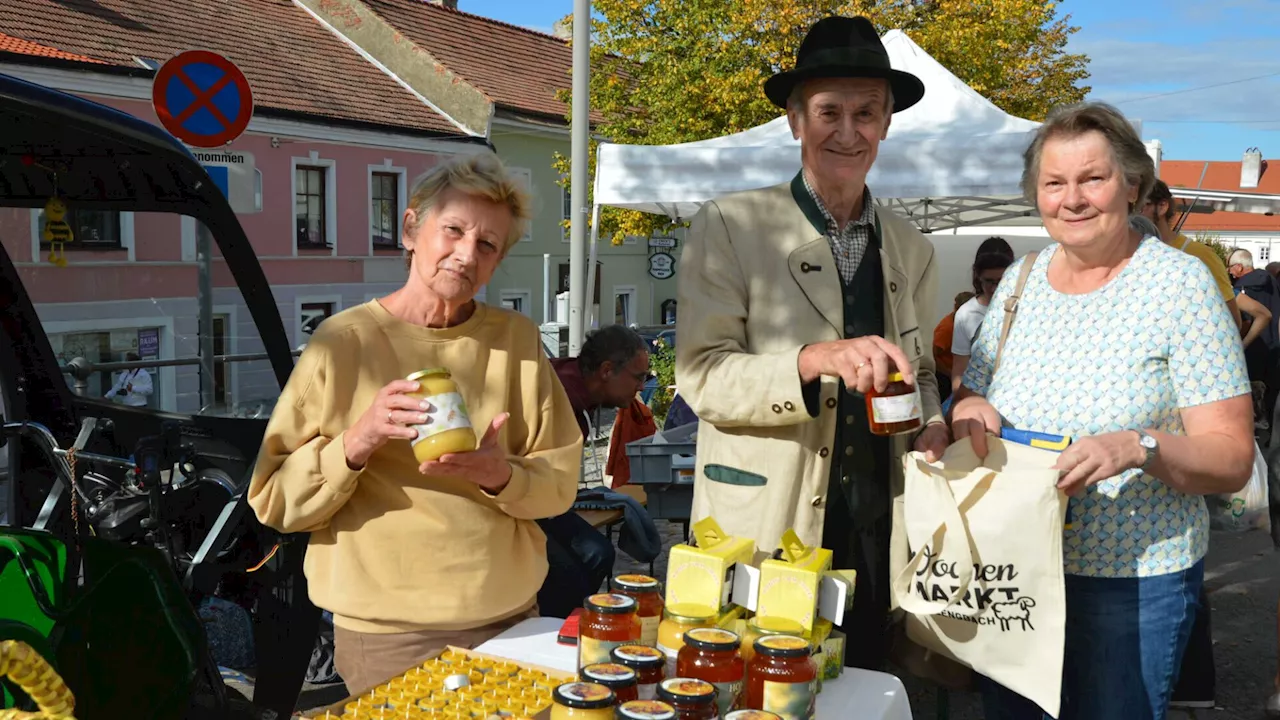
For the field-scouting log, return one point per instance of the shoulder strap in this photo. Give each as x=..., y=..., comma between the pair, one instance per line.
x=1011, y=305
x=1185, y=242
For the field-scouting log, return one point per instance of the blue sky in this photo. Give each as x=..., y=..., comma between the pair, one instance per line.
x=1191, y=53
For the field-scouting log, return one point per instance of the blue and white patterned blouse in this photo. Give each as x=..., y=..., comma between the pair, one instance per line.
x=1128, y=355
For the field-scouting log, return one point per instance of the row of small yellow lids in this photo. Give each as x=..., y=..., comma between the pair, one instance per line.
x=683, y=691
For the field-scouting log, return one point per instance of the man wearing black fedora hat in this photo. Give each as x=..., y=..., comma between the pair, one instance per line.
x=795, y=300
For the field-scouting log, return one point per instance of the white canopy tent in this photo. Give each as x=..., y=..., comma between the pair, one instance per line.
x=954, y=147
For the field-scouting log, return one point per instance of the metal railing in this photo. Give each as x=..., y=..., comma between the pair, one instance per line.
x=81, y=369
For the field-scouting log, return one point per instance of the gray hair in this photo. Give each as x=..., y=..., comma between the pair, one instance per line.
x=1241, y=257
x=1072, y=121
x=483, y=175
x=1143, y=225
x=794, y=100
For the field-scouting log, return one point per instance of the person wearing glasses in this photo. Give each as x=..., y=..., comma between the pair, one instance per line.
x=993, y=257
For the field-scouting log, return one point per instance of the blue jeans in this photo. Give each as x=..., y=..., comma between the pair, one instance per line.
x=580, y=559
x=1124, y=643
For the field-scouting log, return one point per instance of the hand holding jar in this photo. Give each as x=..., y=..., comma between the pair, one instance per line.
x=392, y=415
x=486, y=466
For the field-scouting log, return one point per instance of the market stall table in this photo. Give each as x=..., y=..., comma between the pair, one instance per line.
x=862, y=693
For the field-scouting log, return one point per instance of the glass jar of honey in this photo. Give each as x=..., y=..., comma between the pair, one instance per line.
x=676, y=621
x=617, y=677
x=896, y=409
x=763, y=626
x=648, y=662
x=751, y=715
x=711, y=654
x=582, y=701
x=648, y=595
x=782, y=676
x=646, y=710
x=448, y=428
x=609, y=620
x=692, y=699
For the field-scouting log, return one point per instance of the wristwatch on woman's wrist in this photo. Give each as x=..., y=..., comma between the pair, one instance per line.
x=1149, y=445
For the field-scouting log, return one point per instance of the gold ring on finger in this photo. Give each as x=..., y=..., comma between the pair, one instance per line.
x=393, y=422
x=860, y=365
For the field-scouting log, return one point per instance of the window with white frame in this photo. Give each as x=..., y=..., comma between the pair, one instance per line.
x=624, y=305
x=90, y=229
x=517, y=300
x=315, y=203
x=384, y=211
x=310, y=197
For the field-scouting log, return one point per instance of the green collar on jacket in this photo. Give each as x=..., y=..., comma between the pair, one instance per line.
x=811, y=211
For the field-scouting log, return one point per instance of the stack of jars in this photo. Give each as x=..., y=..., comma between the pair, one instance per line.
x=688, y=668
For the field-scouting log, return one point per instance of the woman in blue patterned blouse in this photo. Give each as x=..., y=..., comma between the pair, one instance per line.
x=1124, y=344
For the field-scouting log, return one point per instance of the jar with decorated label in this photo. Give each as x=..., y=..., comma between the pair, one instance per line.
x=648, y=662
x=782, y=677
x=448, y=427
x=609, y=620
x=711, y=654
x=649, y=604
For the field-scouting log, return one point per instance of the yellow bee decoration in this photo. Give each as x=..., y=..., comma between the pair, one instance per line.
x=57, y=232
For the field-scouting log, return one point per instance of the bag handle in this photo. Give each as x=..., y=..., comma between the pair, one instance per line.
x=1011, y=305
x=959, y=552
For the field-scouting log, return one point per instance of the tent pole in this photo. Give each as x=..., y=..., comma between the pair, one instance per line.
x=580, y=129
x=589, y=318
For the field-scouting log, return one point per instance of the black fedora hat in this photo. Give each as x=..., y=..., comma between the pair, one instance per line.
x=844, y=47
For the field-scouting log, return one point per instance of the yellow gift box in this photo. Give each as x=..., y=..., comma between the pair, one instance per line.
x=703, y=574
x=789, y=586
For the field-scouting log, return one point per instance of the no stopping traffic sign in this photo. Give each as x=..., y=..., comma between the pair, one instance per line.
x=202, y=98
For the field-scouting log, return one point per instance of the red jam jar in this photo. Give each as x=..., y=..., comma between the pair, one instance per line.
x=648, y=595
x=609, y=620
x=782, y=677
x=617, y=677
x=711, y=654
x=692, y=699
x=896, y=409
x=650, y=665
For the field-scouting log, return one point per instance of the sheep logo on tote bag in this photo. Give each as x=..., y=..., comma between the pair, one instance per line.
x=984, y=583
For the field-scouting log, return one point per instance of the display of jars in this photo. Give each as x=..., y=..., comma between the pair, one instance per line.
x=648, y=595
x=692, y=699
x=648, y=662
x=617, y=677
x=676, y=621
x=782, y=677
x=582, y=701
x=609, y=620
x=751, y=715
x=711, y=654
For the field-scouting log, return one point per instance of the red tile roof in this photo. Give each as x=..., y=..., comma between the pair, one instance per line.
x=1223, y=176
x=18, y=46
x=519, y=69
x=294, y=64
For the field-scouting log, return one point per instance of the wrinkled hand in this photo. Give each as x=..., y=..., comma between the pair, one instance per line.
x=485, y=466
x=1093, y=459
x=389, y=417
x=863, y=362
x=974, y=417
x=933, y=441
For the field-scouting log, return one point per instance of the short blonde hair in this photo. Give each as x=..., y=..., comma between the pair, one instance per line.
x=1072, y=121
x=483, y=175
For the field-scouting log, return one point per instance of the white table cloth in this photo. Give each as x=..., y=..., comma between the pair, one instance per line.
x=862, y=694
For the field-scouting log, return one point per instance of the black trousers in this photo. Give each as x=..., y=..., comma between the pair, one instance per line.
x=865, y=549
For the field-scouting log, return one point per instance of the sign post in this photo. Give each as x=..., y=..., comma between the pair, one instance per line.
x=205, y=101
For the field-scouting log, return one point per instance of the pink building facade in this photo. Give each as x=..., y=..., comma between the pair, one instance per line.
x=327, y=236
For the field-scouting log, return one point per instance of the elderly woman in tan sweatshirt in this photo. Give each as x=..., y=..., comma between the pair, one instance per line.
x=411, y=557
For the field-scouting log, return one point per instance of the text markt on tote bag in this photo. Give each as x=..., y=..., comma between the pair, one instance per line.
x=984, y=584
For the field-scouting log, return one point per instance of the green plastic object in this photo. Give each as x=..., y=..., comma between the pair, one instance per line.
x=126, y=641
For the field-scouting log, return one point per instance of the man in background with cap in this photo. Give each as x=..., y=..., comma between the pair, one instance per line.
x=797, y=299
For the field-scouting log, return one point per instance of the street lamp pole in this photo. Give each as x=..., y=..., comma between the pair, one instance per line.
x=580, y=127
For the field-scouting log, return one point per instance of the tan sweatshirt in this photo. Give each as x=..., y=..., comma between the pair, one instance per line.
x=392, y=550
